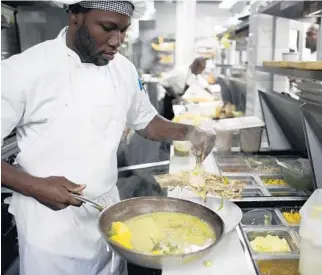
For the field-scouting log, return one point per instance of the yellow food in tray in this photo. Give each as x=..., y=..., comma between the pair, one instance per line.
x=292, y=217
x=278, y=267
x=270, y=243
x=165, y=233
x=274, y=182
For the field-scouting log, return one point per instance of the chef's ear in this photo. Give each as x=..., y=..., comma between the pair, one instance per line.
x=76, y=14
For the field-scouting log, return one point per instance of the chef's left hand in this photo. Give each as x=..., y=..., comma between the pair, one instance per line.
x=202, y=142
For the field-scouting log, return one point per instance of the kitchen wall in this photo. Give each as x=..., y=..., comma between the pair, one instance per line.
x=208, y=15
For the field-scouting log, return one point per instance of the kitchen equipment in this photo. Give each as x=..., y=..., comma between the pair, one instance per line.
x=257, y=217
x=129, y=208
x=250, y=139
x=293, y=56
x=224, y=138
x=297, y=173
x=310, y=233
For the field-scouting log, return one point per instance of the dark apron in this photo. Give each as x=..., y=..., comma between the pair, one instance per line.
x=168, y=105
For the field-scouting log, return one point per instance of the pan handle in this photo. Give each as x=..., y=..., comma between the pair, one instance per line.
x=89, y=201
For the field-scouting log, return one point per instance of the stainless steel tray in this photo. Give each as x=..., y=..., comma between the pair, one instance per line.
x=292, y=240
x=232, y=160
x=251, y=192
x=285, y=222
x=276, y=260
x=255, y=161
x=248, y=180
x=234, y=169
x=285, y=192
x=266, y=177
x=276, y=221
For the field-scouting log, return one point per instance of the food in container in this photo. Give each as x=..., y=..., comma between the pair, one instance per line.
x=297, y=173
x=166, y=233
x=292, y=217
x=268, y=169
x=257, y=217
x=271, y=181
x=249, y=181
x=278, y=266
x=257, y=161
x=261, y=217
x=234, y=169
x=270, y=243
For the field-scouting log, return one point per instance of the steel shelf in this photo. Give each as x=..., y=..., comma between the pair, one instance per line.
x=304, y=74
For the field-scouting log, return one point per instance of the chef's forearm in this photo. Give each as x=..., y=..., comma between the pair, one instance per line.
x=161, y=129
x=17, y=180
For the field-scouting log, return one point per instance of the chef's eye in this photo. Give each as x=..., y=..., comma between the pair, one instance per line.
x=124, y=30
x=108, y=29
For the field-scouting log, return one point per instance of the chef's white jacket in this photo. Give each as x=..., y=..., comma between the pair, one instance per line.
x=70, y=117
x=179, y=77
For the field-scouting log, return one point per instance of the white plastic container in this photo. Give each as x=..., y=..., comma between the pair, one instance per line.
x=295, y=56
x=250, y=128
x=310, y=233
x=250, y=139
x=224, y=138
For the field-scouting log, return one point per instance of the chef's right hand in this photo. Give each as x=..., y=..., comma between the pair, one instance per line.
x=55, y=192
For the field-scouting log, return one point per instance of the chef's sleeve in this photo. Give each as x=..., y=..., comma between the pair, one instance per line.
x=141, y=111
x=12, y=98
x=170, y=79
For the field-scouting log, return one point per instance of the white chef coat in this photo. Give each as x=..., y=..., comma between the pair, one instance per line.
x=179, y=77
x=309, y=56
x=70, y=117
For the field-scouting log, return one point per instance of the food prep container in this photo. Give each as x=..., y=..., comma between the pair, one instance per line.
x=273, y=177
x=281, y=232
x=255, y=161
x=248, y=180
x=253, y=192
x=284, y=220
x=231, y=161
x=264, y=165
x=285, y=192
x=277, y=265
x=250, y=139
x=234, y=169
x=261, y=217
x=297, y=173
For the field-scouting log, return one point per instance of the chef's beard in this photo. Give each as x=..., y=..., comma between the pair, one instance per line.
x=84, y=46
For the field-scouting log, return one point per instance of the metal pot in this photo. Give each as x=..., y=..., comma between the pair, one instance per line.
x=133, y=207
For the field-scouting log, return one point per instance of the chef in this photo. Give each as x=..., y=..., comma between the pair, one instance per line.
x=311, y=42
x=177, y=82
x=70, y=100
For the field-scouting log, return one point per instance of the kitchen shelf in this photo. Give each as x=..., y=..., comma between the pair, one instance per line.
x=304, y=74
x=293, y=9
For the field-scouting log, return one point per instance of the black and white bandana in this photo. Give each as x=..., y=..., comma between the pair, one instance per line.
x=121, y=7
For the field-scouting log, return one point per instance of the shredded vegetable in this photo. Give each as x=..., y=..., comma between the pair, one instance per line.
x=210, y=184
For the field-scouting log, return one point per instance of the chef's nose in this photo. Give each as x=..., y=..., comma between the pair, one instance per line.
x=115, y=39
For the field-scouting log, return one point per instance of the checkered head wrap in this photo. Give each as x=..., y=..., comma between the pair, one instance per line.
x=121, y=7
